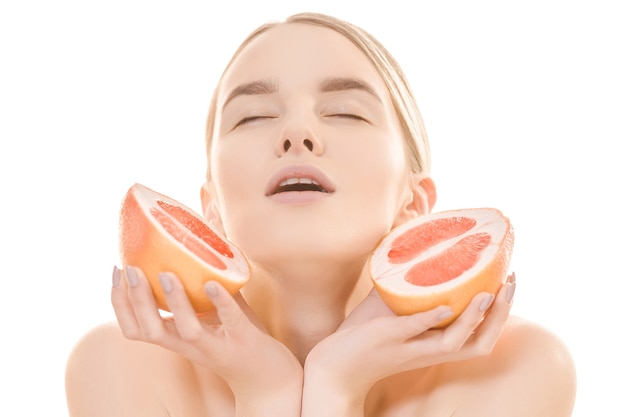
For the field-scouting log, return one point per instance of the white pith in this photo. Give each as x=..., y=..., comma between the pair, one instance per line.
x=391, y=276
x=236, y=267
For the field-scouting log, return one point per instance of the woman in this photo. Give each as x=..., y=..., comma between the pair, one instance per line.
x=316, y=150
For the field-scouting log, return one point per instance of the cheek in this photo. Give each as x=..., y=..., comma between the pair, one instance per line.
x=382, y=167
x=233, y=174
x=381, y=183
x=234, y=166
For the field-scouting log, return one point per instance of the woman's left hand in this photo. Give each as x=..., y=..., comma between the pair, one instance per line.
x=373, y=343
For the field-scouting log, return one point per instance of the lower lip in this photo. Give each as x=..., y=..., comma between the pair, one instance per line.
x=299, y=197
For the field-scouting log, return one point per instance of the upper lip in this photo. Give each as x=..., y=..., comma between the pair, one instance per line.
x=305, y=173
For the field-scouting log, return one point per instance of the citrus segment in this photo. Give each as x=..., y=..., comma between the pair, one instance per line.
x=450, y=263
x=414, y=241
x=443, y=258
x=197, y=227
x=160, y=234
x=182, y=234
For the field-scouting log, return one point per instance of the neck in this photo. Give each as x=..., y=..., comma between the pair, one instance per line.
x=300, y=303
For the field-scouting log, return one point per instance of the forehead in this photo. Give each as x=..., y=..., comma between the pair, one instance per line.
x=299, y=54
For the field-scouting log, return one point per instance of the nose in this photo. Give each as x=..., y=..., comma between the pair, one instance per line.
x=297, y=145
x=297, y=140
x=306, y=142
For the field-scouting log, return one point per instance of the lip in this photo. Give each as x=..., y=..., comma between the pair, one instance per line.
x=299, y=171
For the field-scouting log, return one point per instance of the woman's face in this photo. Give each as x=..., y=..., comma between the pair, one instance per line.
x=307, y=159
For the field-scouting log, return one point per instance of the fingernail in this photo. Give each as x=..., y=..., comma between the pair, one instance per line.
x=131, y=276
x=211, y=289
x=511, y=278
x=486, y=302
x=116, y=276
x=510, y=292
x=445, y=314
x=166, y=282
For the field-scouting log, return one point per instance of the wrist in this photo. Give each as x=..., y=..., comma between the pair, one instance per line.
x=326, y=393
x=283, y=401
x=273, y=388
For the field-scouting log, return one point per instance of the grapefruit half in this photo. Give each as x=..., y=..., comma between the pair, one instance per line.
x=443, y=258
x=160, y=234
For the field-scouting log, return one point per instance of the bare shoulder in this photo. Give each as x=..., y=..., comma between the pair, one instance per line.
x=527, y=345
x=107, y=374
x=535, y=343
x=529, y=373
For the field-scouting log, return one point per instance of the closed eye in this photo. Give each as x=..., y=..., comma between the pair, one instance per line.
x=349, y=116
x=251, y=119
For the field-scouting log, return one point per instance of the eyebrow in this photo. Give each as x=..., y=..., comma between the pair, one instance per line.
x=330, y=85
x=252, y=88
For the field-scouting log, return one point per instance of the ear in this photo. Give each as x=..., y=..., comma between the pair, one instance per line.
x=210, y=207
x=421, y=199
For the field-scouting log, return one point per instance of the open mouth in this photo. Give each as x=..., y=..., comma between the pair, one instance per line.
x=299, y=179
x=299, y=184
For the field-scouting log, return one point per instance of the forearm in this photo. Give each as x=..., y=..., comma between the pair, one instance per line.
x=284, y=402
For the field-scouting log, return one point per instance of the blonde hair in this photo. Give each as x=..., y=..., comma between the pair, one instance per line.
x=402, y=97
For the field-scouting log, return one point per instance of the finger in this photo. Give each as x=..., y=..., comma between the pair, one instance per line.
x=489, y=331
x=370, y=308
x=186, y=321
x=144, y=305
x=511, y=278
x=375, y=306
x=416, y=324
x=122, y=306
x=503, y=302
x=248, y=312
x=228, y=309
x=460, y=330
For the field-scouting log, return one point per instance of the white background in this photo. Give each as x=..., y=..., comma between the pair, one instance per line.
x=524, y=103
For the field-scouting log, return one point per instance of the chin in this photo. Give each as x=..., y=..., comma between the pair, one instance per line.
x=288, y=244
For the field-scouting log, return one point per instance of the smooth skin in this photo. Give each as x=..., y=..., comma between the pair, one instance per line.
x=308, y=335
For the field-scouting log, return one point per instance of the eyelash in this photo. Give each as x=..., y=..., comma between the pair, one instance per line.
x=349, y=116
x=250, y=119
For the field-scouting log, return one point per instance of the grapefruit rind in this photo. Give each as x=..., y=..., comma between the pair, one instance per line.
x=487, y=274
x=145, y=243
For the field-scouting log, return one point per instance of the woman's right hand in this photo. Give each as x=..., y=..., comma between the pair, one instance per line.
x=265, y=377
x=373, y=343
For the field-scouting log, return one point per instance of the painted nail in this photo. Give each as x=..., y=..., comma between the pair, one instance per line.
x=166, y=282
x=211, y=289
x=116, y=276
x=131, y=276
x=445, y=315
x=486, y=302
x=510, y=292
x=511, y=278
